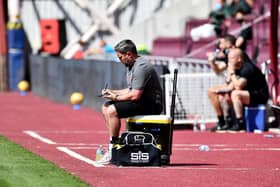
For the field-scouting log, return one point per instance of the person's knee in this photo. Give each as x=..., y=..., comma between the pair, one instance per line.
x=111, y=110
x=236, y=95
x=104, y=109
x=211, y=92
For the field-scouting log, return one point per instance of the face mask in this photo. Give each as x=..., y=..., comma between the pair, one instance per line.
x=218, y=6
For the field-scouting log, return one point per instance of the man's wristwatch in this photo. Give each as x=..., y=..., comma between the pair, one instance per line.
x=228, y=81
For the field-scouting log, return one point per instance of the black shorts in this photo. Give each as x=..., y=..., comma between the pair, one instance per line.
x=133, y=108
x=258, y=97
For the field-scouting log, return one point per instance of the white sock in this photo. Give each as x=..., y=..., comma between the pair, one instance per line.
x=110, y=147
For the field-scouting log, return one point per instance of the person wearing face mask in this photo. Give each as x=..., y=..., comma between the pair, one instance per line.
x=215, y=26
x=246, y=33
x=220, y=14
x=143, y=96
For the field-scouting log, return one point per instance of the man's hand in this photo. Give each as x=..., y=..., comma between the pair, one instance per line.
x=105, y=91
x=211, y=57
x=109, y=94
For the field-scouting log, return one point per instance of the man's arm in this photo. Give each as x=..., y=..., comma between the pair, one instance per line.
x=239, y=41
x=216, y=67
x=238, y=82
x=123, y=95
x=120, y=92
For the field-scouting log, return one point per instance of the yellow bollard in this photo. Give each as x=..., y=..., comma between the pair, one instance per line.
x=23, y=87
x=76, y=99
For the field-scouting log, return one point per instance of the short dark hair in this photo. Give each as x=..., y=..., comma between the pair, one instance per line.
x=126, y=45
x=230, y=38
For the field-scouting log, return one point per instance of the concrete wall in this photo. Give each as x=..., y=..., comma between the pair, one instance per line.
x=141, y=20
x=57, y=78
x=169, y=21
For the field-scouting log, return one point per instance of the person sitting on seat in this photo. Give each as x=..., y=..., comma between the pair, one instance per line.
x=218, y=61
x=248, y=88
x=142, y=97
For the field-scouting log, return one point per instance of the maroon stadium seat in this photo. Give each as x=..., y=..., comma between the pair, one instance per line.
x=170, y=46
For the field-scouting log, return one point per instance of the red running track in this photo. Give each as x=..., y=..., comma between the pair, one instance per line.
x=58, y=133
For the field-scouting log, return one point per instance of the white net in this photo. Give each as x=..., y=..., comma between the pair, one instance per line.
x=192, y=101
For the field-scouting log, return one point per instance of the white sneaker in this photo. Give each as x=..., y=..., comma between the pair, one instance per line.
x=106, y=159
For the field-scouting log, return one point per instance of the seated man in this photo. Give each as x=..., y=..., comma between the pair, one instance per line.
x=218, y=59
x=218, y=63
x=248, y=86
x=142, y=97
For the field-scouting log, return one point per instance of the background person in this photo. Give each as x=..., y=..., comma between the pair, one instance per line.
x=219, y=62
x=142, y=97
x=248, y=86
x=246, y=33
x=218, y=59
x=104, y=48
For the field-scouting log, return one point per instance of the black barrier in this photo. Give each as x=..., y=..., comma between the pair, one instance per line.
x=39, y=75
x=57, y=78
x=55, y=84
x=161, y=70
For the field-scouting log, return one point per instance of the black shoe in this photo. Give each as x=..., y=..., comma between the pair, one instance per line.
x=228, y=124
x=216, y=128
x=236, y=127
x=226, y=127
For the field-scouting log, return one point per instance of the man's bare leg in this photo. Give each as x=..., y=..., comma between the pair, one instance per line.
x=225, y=104
x=105, y=115
x=239, y=99
x=213, y=97
x=114, y=123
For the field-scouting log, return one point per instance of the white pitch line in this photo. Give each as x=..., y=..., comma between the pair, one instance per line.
x=79, y=157
x=82, y=148
x=72, y=132
x=81, y=144
x=38, y=137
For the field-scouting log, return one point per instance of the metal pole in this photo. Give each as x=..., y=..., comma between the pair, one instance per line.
x=3, y=41
x=274, y=48
x=3, y=50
